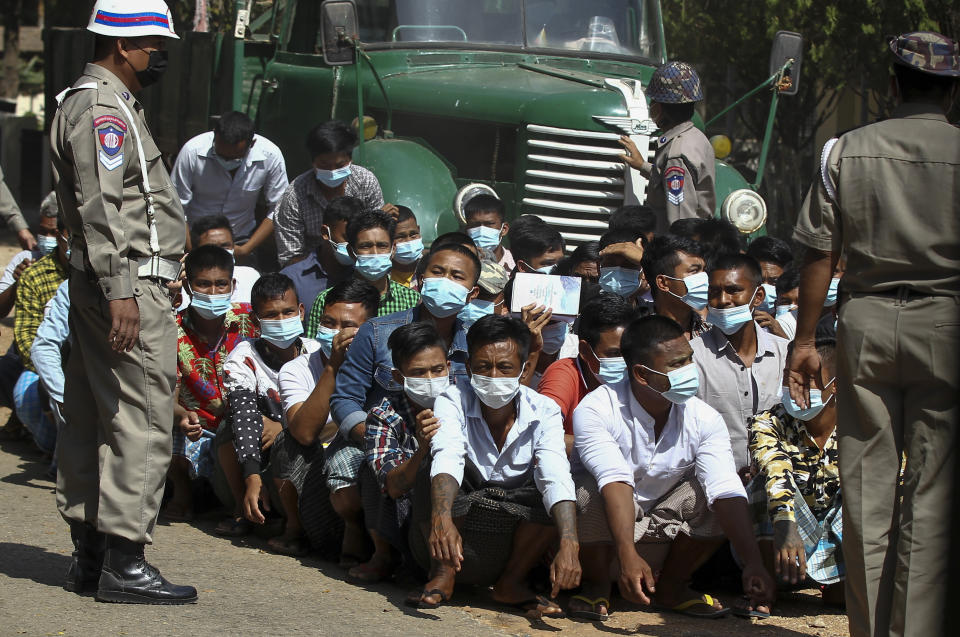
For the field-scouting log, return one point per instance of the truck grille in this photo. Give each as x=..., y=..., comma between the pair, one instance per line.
x=574, y=180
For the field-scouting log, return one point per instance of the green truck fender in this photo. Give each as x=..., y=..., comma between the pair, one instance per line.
x=413, y=175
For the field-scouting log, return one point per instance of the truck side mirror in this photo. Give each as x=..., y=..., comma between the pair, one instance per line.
x=787, y=45
x=339, y=32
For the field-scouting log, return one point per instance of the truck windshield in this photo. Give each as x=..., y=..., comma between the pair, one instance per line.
x=624, y=27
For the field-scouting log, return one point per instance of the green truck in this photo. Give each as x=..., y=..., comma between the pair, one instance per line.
x=522, y=98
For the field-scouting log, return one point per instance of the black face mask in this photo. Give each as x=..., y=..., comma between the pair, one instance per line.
x=156, y=67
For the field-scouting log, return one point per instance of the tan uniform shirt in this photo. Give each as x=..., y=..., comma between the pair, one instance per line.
x=683, y=176
x=99, y=184
x=9, y=210
x=888, y=198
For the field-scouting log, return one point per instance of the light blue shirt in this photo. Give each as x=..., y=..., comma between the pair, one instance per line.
x=534, y=444
x=206, y=188
x=53, y=332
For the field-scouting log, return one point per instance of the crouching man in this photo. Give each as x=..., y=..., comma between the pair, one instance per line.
x=499, y=473
x=659, y=474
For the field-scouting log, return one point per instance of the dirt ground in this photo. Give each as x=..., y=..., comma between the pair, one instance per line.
x=247, y=591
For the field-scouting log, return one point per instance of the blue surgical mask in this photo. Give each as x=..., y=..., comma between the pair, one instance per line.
x=622, y=281
x=442, y=296
x=495, y=392
x=553, y=336
x=485, y=238
x=684, y=383
x=612, y=370
x=769, y=299
x=373, y=267
x=341, y=253
x=547, y=269
x=46, y=244
x=210, y=306
x=325, y=336
x=474, y=311
x=229, y=164
x=730, y=320
x=831, y=299
x=815, y=407
x=409, y=251
x=785, y=309
x=281, y=333
x=333, y=178
x=697, y=285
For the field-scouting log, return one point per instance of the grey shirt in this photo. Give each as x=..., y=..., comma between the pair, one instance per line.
x=735, y=390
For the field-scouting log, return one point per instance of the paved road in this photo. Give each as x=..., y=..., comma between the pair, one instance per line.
x=244, y=591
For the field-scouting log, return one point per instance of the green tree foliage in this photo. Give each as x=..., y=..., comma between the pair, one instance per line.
x=844, y=50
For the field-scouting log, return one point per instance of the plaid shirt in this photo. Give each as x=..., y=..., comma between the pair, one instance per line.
x=36, y=287
x=200, y=364
x=390, y=437
x=790, y=461
x=300, y=211
x=397, y=299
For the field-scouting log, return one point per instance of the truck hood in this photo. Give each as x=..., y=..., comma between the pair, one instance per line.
x=510, y=93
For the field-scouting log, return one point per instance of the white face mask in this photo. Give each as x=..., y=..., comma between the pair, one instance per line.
x=496, y=392
x=424, y=391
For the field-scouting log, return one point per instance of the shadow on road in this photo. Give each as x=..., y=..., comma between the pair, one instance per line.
x=33, y=466
x=24, y=561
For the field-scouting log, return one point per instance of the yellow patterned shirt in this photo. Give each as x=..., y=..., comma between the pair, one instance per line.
x=788, y=459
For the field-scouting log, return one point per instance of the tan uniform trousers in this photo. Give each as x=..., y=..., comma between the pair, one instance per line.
x=897, y=384
x=114, y=451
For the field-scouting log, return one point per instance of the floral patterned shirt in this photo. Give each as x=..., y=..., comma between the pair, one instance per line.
x=787, y=455
x=200, y=364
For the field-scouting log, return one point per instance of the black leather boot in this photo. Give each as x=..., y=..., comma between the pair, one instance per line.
x=128, y=578
x=88, y=548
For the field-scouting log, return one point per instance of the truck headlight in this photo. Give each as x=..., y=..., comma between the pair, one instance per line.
x=467, y=193
x=745, y=209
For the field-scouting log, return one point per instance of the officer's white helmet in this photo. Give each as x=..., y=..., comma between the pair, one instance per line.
x=131, y=18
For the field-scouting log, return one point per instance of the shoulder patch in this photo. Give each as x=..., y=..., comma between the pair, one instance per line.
x=110, y=133
x=673, y=178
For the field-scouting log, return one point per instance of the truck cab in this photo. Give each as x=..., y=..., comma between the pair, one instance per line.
x=524, y=98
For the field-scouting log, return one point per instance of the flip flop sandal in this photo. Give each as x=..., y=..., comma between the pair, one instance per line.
x=749, y=612
x=416, y=600
x=684, y=608
x=234, y=527
x=298, y=546
x=592, y=614
x=533, y=604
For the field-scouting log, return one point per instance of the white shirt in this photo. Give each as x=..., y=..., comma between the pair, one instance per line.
x=788, y=323
x=246, y=369
x=245, y=277
x=206, y=188
x=534, y=444
x=614, y=440
x=298, y=378
x=7, y=279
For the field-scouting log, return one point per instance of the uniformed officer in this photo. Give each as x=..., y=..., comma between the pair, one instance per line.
x=682, y=174
x=887, y=200
x=11, y=215
x=127, y=236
